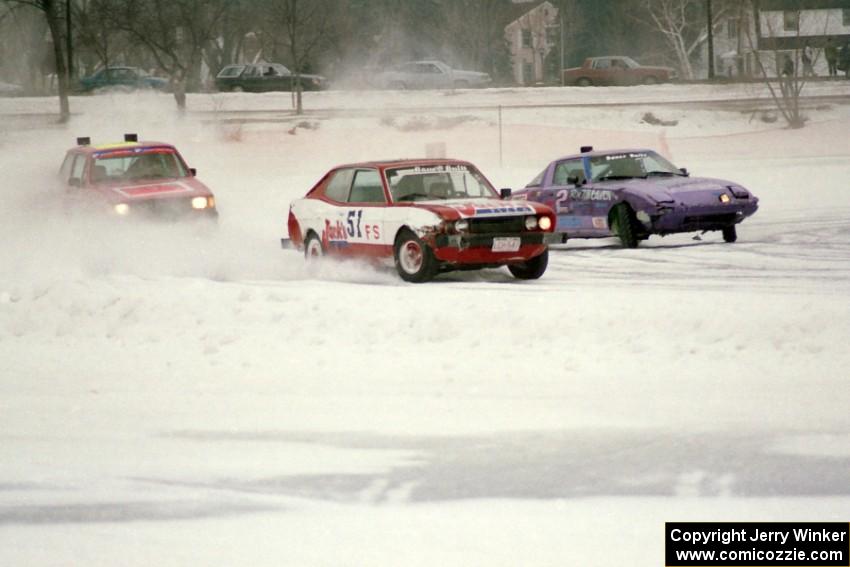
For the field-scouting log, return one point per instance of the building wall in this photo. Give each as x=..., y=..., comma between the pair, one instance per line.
x=529, y=40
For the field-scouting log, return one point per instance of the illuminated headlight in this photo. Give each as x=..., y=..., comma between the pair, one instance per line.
x=122, y=209
x=530, y=223
x=461, y=225
x=201, y=202
x=545, y=223
x=724, y=198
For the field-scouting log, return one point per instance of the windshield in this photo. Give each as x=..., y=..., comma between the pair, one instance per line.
x=232, y=71
x=129, y=165
x=629, y=165
x=438, y=182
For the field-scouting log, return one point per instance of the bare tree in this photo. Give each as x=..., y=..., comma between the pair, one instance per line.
x=174, y=32
x=53, y=14
x=301, y=27
x=682, y=24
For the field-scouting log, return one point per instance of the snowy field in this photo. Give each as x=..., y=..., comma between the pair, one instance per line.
x=180, y=396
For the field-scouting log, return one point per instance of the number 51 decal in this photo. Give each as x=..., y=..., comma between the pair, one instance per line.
x=354, y=225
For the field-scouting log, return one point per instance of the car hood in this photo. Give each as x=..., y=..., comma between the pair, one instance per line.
x=454, y=209
x=145, y=190
x=676, y=188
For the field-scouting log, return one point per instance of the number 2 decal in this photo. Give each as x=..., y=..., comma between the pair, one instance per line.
x=560, y=199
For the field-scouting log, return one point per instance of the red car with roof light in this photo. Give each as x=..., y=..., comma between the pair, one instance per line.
x=136, y=179
x=423, y=216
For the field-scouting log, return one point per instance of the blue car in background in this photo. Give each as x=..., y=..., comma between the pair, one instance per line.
x=123, y=79
x=632, y=194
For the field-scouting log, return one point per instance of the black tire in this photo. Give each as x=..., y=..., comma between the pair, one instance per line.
x=461, y=84
x=532, y=269
x=237, y=89
x=625, y=226
x=730, y=234
x=414, y=260
x=314, y=250
x=584, y=82
x=650, y=80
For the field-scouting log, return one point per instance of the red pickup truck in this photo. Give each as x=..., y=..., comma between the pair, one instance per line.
x=616, y=71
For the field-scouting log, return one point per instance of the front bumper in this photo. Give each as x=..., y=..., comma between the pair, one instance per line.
x=697, y=218
x=477, y=249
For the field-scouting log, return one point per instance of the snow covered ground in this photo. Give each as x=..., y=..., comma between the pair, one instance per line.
x=175, y=396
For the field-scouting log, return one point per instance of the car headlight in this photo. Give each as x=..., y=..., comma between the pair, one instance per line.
x=122, y=209
x=461, y=225
x=530, y=223
x=203, y=202
x=545, y=223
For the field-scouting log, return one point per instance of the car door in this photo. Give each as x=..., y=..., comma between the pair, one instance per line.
x=601, y=72
x=563, y=194
x=364, y=215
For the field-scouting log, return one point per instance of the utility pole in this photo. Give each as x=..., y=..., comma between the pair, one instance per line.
x=710, y=24
x=69, y=40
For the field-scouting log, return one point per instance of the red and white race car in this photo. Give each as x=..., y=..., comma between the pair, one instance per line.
x=425, y=216
x=135, y=179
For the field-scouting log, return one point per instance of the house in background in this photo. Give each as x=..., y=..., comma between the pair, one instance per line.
x=533, y=39
x=765, y=31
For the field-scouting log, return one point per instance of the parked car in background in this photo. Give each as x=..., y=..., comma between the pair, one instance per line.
x=122, y=78
x=430, y=75
x=264, y=77
x=423, y=216
x=10, y=89
x=135, y=179
x=616, y=71
x=633, y=194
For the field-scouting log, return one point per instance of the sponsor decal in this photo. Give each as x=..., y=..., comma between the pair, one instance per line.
x=352, y=229
x=473, y=210
x=566, y=222
x=136, y=191
x=600, y=222
x=630, y=155
x=439, y=168
x=591, y=194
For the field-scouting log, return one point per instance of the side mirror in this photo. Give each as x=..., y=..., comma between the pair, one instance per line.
x=75, y=182
x=685, y=171
x=505, y=193
x=572, y=179
x=193, y=172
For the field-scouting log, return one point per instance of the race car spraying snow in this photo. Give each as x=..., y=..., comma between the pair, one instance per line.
x=135, y=179
x=423, y=216
x=633, y=194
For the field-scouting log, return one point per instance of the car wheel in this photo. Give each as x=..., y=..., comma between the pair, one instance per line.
x=730, y=234
x=625, y=226
x=650, y=80
x=313, y=249
x=531, y=269
x=584, y=82
x=414, y=260
x=237, y=89
x=461, y=84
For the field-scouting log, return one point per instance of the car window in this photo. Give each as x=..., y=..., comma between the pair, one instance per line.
x=566, y=169
x=602, y=64
x=367, y=187
x=431, y=68
x=79, y=166
x=253, y=71
x=537, y=181
x=281, y=70
x=339, y=185
x=65, y=170
x=436, y=182
x=123, y=165
x=231, y=71
x=630, y=164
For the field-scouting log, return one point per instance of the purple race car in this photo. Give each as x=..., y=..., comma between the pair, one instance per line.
x=633, y=194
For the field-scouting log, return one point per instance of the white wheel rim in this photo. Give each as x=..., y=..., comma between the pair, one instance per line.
x=410, y=256
x=314, y=249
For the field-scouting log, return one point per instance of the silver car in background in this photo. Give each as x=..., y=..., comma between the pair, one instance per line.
x=431, y=75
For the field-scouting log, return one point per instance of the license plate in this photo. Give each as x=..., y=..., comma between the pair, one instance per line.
x=506, y=244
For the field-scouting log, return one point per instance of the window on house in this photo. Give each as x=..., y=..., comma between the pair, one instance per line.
x=845, y=17
x=791, y=20
x=552, y=33
x=732, y=28
x=526, y=38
